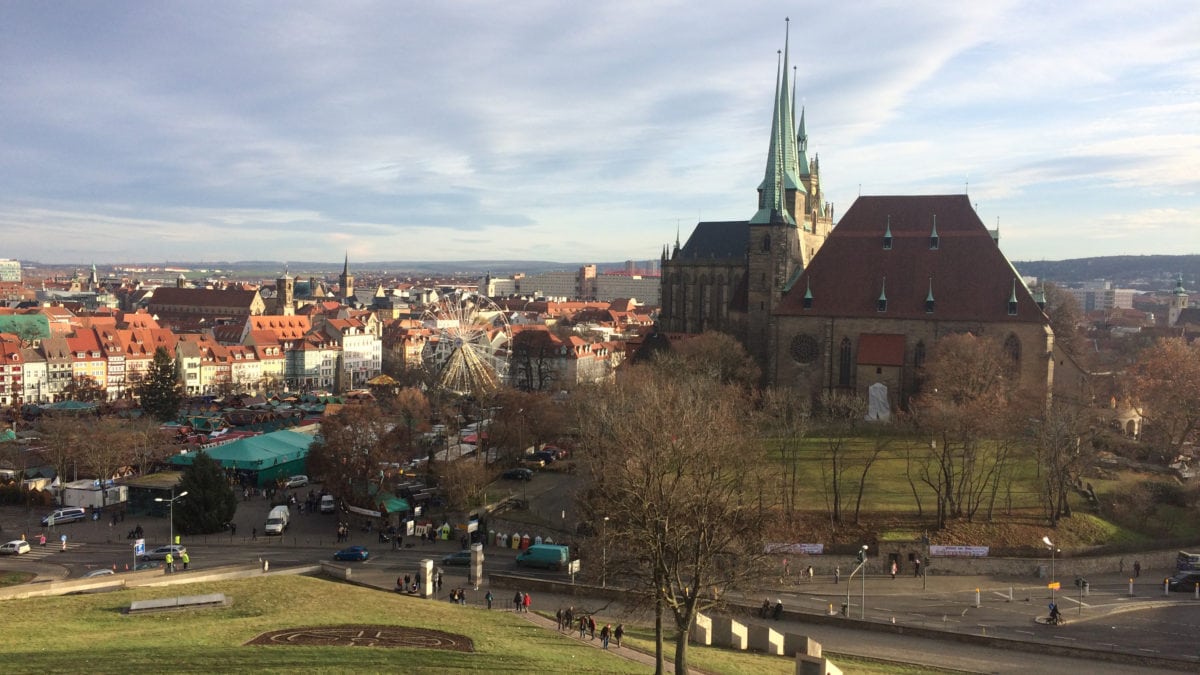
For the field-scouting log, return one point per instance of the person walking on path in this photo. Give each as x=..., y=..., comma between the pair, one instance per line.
x=42, y=539
x=558, y=619
x=837, y=575
x=1137, y=568
x=618, y=633
x=604, y=633
x=184, y=557
x=489, y=597
x=810, y=574
x=895, y=568
x=582, y=626
x=518, y=601
x=62, y=538
x=233, y=529
x=254, y=534
x=916, y=567
x=591, y=628
x=170, y=561
x=527, y=601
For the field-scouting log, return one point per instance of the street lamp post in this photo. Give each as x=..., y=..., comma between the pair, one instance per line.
x=1050, y=545
x=604, y=553
x=862, y=560
x=171, y=505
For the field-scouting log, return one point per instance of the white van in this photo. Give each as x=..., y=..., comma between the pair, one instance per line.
x=65, y=515
x=277, y=520
x=328, y=505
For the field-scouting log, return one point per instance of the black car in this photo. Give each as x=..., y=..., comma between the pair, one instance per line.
x=457, y=558
x=518, y=474
x=545, y=455
x=1184, y=581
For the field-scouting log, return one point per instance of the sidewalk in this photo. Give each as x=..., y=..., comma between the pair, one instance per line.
x=622, y=652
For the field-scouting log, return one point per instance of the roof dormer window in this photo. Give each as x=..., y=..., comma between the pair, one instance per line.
x=881, y=305
x=887, y=235
x=933, y=236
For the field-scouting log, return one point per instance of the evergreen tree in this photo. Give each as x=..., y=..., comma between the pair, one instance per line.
x=160, y=391
x=210, y=501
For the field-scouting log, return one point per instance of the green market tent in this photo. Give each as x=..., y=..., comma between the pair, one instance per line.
x=269, y=456
x=390, y=502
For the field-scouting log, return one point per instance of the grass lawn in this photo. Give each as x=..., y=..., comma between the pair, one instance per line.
x=89, y=633
x=14, y=578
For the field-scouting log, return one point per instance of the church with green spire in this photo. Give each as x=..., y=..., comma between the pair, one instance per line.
x=729, y=275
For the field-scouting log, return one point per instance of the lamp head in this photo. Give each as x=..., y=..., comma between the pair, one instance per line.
x=1046, y=541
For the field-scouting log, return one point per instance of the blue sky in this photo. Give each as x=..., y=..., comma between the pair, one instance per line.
x=147, y=131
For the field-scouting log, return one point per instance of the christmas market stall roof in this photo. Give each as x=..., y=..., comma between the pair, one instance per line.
x=256, y=453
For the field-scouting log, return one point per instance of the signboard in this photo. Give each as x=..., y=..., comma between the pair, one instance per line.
x=364, y=512
x=139, y=547
x=959, y=551
x=472, y=526
x=802, y=549
x=1054, y=586
x=573, y=566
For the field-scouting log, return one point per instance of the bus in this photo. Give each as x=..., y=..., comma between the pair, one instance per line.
x=1186, y=562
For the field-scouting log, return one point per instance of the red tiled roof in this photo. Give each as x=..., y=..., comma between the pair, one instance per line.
x=971, y=279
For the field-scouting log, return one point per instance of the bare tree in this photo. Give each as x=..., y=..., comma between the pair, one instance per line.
x=964, y=405
x=787, y=417
x=839, y=415
x=1166, y=387
x=672, y=465
x=1062, y=436
x=348, y=455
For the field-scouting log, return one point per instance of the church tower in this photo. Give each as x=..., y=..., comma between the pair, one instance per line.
x=776, y=251
x=346, y=280
x=1179, y=302
x=285, y=294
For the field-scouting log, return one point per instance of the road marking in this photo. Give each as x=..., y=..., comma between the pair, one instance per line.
x=1078, y=602
x=1059, y=637
x=1024, y=632
x=1152, y=651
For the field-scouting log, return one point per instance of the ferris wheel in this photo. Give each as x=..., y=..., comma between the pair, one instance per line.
x=470, y=343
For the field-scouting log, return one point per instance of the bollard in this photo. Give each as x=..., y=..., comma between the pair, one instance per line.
x=977, y=598
x=1166, y=586
x=831, y=609
x=1197, y=591
x=1010, y=593
x=1131, y=587
x=266, y=566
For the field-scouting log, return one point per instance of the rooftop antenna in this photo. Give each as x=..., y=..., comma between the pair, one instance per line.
x=967, y=185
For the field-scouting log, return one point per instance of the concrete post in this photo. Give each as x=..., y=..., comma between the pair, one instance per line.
x=702, y=631
x=475, y=571
x=425, y=569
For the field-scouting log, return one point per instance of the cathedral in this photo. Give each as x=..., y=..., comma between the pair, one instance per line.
x=858, y=307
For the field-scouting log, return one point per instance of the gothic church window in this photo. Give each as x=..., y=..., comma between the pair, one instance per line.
x=844, y=363
x=804, y=349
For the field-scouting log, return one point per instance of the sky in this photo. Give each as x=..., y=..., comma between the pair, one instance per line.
x=469, y=130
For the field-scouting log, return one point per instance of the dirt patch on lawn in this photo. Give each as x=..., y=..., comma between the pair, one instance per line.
x=366, y=636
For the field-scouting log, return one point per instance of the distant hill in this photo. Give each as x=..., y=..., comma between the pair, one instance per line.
x=1147, y=272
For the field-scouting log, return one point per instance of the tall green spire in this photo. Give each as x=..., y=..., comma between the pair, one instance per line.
x=780, y=174
x=802, y=147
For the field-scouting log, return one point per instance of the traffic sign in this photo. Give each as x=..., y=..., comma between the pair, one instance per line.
x=1054, y=585
x=139, y=547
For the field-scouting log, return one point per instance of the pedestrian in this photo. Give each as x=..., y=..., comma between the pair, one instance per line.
x=518, y=601
x=837, y=575
x=527, y=600
x=778, y=609
x=604, y=633
x=895, y=568
x=785, y=567
x=592, y=627
x=184, y=557
x=618, y=633
x=765, y=609
x=810, y=573
x=233, y=529
x=170, y=561
x=1137, y=568
x=438, y=583
x=569, y=618
x=401, y=585
x=488, y=597
x=582, y=626
x=916, y=567
x=254, y=533
x=42, y=540
x=1121, y=566
x=558, y=619
x=62, y=538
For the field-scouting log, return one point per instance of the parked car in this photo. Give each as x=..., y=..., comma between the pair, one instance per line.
x=102, y=572
x=148, y=565
x=1181, y=581
x=16, y=547
x=328, y=504
x=296, y=481
x=531, y=462
x=64, y=515
x=161, y=552
x=457, y=558
x=352, y=553
x=518, y=474
x=545, y=455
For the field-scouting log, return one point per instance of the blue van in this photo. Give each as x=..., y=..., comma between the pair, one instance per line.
x=546, y=556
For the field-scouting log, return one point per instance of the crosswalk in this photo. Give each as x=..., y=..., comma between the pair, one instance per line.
x=39, y=552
